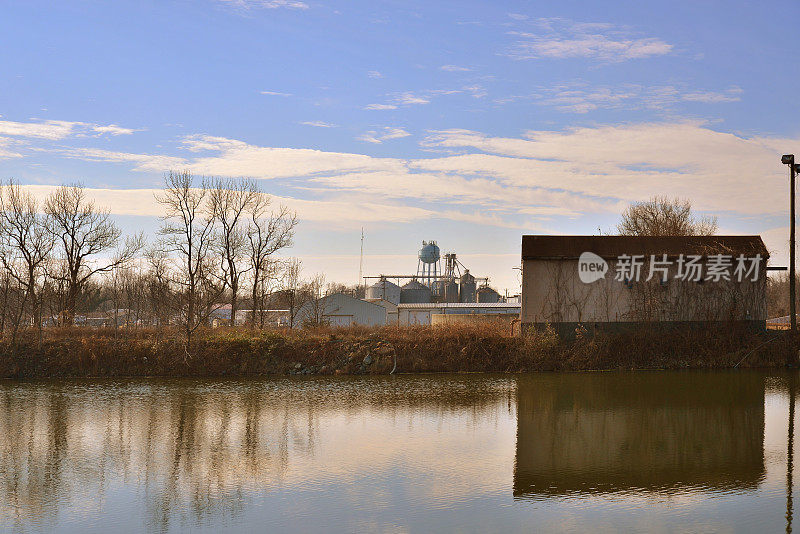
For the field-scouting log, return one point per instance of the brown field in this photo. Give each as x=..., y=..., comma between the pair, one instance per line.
x=488, y=347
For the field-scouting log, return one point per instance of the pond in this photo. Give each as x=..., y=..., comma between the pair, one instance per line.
x=633, y=451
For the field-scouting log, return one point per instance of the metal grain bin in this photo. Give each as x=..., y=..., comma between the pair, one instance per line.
x=415, y=293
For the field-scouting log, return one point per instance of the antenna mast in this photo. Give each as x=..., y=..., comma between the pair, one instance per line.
x=361, y=261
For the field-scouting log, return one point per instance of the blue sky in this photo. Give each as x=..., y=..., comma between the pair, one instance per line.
x=471, y=123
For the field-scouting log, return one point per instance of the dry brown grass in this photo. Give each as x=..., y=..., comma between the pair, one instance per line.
x=485, y=347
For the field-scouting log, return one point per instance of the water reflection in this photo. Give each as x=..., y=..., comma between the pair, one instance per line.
x=596, y=433
x=191, y=451
x=556, y=452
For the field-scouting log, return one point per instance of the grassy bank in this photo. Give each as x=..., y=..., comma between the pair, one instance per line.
x=453, y=348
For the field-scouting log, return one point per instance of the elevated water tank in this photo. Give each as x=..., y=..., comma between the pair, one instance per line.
x=487, y=294
x=414, y=292
x=429, y=253
x=467, y=287
x=383, y=289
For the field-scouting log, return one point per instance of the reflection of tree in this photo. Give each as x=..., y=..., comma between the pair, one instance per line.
x=195, y=450
x=604, y=433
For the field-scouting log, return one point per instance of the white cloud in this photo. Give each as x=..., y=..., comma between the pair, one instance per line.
x=113, y=129
x=454, y=68
x=713, y=97
x=719, y=171
x=374, y=74
x=385, y=134
x=266, y=4
x=409, y=98
x=380, y=106
x=561, y=38
x=56, y=130
x=42, y=129
x=236, y=158
x=5, y=151
x=275, y=93
x=509, y=180
x=580, y=98
x=144, y=162
x=318, y=124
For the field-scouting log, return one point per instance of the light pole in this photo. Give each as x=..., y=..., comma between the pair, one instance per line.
x=788, y=159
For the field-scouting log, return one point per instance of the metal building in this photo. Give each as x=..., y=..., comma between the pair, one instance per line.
x=467, y=288
x=340, y=309
x=415, y=292
x=385, y=290
x=587, y=281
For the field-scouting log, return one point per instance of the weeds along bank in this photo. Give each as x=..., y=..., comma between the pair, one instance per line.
x=451, y=348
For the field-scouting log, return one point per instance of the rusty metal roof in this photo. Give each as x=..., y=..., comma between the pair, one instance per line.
x=543, y=247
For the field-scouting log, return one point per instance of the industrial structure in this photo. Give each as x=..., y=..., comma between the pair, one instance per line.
x=432, y=284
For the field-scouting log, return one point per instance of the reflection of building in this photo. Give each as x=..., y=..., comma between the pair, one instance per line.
x=596, y=433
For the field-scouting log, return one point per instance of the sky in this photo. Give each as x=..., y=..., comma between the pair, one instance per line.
x=469, y=123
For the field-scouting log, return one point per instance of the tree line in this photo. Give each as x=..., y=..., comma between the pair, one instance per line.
x=219, y=239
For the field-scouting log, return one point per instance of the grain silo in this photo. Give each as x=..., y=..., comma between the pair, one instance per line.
x=488, y=295
x=415, y=293
x=385, y=290
x=468, y=287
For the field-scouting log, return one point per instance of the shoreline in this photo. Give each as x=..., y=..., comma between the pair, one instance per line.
x=487, y=348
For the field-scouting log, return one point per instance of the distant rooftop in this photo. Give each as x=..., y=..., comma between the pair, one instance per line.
x=543, y=247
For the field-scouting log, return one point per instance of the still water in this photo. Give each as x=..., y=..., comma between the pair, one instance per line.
x=650, y=451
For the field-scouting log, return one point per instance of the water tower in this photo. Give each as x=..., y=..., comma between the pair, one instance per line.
x=428, y=264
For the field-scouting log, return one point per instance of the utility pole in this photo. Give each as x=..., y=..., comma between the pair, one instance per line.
x=788, y=159
x=361, y=262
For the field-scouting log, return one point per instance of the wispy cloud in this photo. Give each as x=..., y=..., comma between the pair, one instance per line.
x=5, y=149
x=582, y=98
x=380, y=106
x=387, y=133
x=275, y=93
x=561, y=38
x=113, y=129
x=413, y=98
x=374, y=74
x=409, y=98
x=266, y=4
x=54, y=129
x=454, y=68
x=319, y=124
x=143, y=162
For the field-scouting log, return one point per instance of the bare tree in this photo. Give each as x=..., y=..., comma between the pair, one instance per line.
x=83, y=232
x=291, y=286
x=229, y=203
x=662, y=216
x=26, y=246
x=317, y=301
x=188, y=230
x=267, y=233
